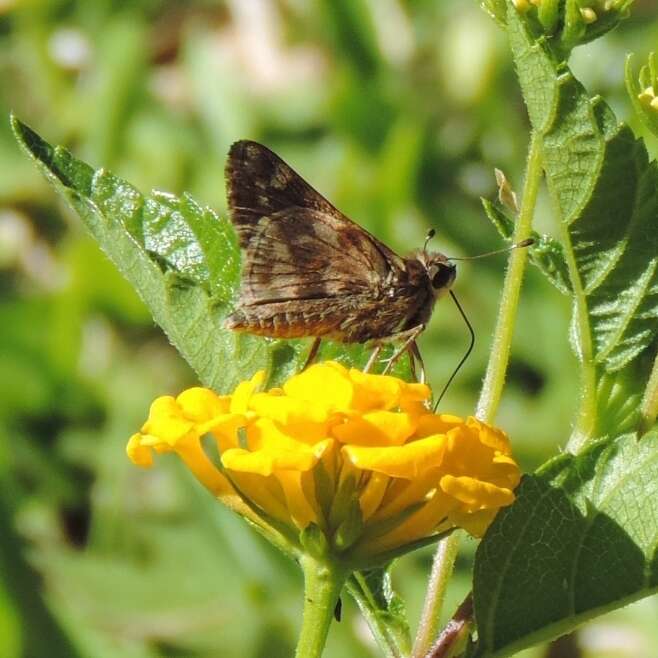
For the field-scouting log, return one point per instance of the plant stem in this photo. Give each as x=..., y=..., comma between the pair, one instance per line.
x=454, y=636
x=494, y=381
x=444, y=561
x=584, y=426
x=323, y=582
x=649, y=406
x=494, y=378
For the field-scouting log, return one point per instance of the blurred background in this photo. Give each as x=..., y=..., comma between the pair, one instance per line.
x=398, y=111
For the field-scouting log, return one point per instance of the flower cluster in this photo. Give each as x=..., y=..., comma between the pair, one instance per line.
x=570, y=23
x=357, y=457
x=643, y=90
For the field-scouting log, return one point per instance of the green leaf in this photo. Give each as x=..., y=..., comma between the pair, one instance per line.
x=546, y=253
x=605, y=192
x=184, y=261
x=579, y=540
x=383, y=609
x=496, y=9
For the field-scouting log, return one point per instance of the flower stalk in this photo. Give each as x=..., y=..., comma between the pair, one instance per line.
x=442, y=568
x=492, y=387
x=494, y=379
x=323, y=582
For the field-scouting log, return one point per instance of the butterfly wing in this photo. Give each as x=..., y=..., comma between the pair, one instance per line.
x=259, y=183
x=304, y=262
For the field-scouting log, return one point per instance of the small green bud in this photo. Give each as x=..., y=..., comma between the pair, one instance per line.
x=313, y=541
x=350, y=529
x=589, y=15
x=642, y=91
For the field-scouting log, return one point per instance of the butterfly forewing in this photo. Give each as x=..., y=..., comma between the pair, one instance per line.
x=307, y=269
x=259, y=184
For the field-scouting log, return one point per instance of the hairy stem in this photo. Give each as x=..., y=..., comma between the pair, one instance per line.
x=442, y=566
x=584, y=426
x=323, y=583
x=494, y=378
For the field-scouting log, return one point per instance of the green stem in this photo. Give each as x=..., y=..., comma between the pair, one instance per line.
x=444, y=561
x=649, y=406
x=323, y=582
x=494, y=378
x=584, y=426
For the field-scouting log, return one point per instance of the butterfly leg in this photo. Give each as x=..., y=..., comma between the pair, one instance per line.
x=312, y=353
x=373, y=358
x=409, y=337
x=415, y=355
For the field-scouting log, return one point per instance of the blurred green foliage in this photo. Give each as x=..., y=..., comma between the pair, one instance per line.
x=397, y=111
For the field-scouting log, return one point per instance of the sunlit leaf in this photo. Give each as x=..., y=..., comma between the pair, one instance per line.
x=605, y=190
x=580, y=540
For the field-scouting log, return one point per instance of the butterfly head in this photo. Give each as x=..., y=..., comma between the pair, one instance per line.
x=440, y=271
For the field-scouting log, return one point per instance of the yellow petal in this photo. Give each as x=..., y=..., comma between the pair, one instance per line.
x=264, y=492
x=266, y=462
x=489, y=436
x=301, y=509
x=244, y=391
x=414, y=392
x=166, y=421
x=429, y=424
x=323, y=383
x=192, y=453
x=376, y=428
x=402, y=494
x=372, y=494
x=475, y=523
x=407, y=461
x=225, y=429
x=420, y=524
x=374, y=391
x=475, y=494
x=271, y=450
x=305, y=420
x=139, y=454
x=265, y=434
x=201, y=404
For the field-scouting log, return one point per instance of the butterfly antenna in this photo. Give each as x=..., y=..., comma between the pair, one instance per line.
x=430, y=234
x=463, y=360
x=516, y=245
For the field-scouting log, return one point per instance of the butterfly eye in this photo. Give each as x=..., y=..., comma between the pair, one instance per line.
x=443, y=277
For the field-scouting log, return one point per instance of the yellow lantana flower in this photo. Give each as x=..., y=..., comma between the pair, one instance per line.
x=356, y=457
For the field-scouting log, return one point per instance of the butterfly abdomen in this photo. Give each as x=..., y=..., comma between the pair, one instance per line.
x=281, y=323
